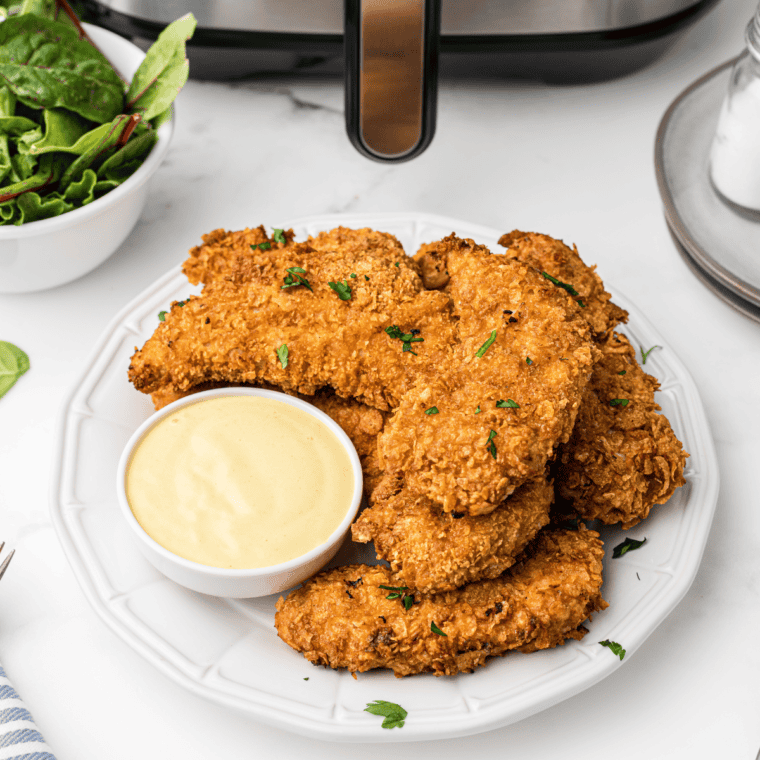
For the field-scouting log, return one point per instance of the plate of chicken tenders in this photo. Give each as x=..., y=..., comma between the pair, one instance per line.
x=539, y=474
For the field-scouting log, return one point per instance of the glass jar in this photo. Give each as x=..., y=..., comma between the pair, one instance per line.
x=735, y=150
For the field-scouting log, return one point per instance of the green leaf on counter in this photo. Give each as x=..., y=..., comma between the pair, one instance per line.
x=46, y=65
x=13, y=363
x=394, y=714
x=163, y=72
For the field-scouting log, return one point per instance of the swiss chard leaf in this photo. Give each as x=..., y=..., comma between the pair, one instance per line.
x=34, y=207
x=83, y=192
x=127, y=159
x=46, y=65
x=13, y=363
x=163, y=71
x=16, y=125
x=62, y=131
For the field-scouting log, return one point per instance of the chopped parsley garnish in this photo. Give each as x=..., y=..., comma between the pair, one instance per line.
x=581, y=304
x=615, y=647
x=432, y=410
x=396, y=264
x=406, y=338
x=366, y=278
x=279, y=236
x=619, y=402
x=629, y=545
x=305, y=679
x=622, y=373
x=479, y=353
x=399, y=592
x=508, y=404
x=645, y=354
x=353, y=274
x=477, y=411
x=435, y=629
x=490, y=445
x=265, y=246
x=398, y=589
x=342, y=289
x=293, y=278
x=569, y=288
x=162, y=314
x=393, y=714
x=282, y=354
x=528, y=360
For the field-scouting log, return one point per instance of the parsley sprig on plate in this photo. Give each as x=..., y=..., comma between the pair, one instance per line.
x=394, y=715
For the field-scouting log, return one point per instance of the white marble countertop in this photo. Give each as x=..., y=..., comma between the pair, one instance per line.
x=574, y=162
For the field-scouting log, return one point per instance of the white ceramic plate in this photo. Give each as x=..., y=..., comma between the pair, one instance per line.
x=229, y=652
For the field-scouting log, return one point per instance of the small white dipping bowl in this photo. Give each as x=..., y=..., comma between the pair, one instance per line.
x=249, y=582
x=50, y=252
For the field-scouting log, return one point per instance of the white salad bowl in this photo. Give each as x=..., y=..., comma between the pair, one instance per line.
x=51, y=252
x=245, y=583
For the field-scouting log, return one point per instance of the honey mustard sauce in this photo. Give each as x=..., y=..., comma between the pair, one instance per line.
x=240, y=482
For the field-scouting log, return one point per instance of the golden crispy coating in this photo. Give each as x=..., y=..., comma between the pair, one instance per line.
x=620, y=460
x=232, y=331
x=553, y=257
x=342, y=618
x=537, y=363
x=221, y=250
x=435, y=551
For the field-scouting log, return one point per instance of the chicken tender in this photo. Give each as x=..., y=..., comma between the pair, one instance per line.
x=510, y=394
x=623, y=457
x=232, y=332
x=433, y=551
x=343, y=618
x=553, y=257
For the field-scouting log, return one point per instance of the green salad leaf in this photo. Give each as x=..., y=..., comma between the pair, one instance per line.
x=71, y=129
x=163, y=72
x=13, y=363
x=46, y=65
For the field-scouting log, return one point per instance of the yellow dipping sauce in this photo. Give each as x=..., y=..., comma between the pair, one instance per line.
x=240, y=482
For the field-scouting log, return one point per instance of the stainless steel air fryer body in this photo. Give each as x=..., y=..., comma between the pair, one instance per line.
x=391, y=51
x=458, y=17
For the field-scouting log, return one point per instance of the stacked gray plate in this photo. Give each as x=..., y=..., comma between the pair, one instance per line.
x=719, y=242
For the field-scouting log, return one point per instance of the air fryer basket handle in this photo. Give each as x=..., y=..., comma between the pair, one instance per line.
x=391, y=49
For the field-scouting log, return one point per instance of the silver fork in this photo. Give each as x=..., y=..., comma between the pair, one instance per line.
x=6, y=561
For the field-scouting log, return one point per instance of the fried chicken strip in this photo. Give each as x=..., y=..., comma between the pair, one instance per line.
x=232, y=332
x=622, y=458
x=510, y=394
x=434, y=551
x=343, y=618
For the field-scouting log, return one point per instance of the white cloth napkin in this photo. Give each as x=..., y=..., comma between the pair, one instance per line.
x=19, y=737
